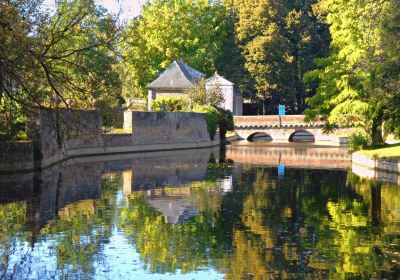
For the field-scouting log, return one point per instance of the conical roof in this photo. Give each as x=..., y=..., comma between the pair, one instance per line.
x=218, y=80
x=178, y=75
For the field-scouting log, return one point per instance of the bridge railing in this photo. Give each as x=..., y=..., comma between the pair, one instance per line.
x=273, y=120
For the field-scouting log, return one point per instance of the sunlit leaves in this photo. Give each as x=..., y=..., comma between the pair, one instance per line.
x=354, y=80
x=170, y=30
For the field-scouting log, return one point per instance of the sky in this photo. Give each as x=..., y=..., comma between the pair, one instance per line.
x=129, y=8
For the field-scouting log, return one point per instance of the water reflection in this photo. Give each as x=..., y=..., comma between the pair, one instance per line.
x=200, y=215
x=300, y=155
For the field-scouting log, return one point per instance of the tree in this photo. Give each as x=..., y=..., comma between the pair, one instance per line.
x=232, y=63
x=167, y=31
x=82, y=59
x=64, y=59
x=279, y=40
x=360, y=77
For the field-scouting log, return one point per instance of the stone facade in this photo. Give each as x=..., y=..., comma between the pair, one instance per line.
x=167, y=128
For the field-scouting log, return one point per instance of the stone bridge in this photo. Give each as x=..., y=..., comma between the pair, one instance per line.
x=282, y=129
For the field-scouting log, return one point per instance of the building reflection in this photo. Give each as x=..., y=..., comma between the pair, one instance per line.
x=47, y=195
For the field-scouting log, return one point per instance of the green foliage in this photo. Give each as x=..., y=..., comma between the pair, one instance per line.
x=358, y=83
x=112, y=119
x=169, y=30
x=52, y=60
x=212, y=118
x=225, y=123
x=83, y=60
x=12, y=122
x=358, y=142
x=279, y=41
x=170, y=104
x=199, y=95
x=228, y=119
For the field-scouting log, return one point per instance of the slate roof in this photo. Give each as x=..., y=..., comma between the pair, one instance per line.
x=176, y=210
x=218, y=80
x=221, y=81
x=178, y=75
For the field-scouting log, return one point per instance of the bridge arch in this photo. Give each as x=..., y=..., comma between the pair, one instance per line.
x=259, y=136
x=301, y=136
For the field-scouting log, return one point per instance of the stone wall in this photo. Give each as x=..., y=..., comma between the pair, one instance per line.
x=63, y=134
x=154, y=131
x=56, y=135
x=167, y=127
x=16, y=156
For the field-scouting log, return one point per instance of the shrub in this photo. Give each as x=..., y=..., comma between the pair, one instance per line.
x=170, y=104
x=212, y=118
x=225, y=123
x=358, y=142
x=112, y=118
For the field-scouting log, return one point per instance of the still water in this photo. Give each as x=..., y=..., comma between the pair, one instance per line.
x=251, y=212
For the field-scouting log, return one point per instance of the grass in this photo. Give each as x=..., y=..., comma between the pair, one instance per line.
x=230, y=133
x=388, y=151
x=115, y=130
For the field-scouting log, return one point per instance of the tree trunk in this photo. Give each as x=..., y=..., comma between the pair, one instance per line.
x=376, y=130
x=264, y=105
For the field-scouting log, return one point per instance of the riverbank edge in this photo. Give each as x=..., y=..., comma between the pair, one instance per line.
x=382, y=164
x=101, y=151
x=381, y=169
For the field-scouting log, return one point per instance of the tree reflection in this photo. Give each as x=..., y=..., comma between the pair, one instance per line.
x=316, y=227
x=310, y=224
x=81, y=228
x=12, y=225
x=185, y=246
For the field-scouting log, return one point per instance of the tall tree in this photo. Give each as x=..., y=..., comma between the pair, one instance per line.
x=167, y=31
x=360, y=77
x=279, y=40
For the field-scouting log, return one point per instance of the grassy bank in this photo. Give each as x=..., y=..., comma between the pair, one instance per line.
x=389, y=151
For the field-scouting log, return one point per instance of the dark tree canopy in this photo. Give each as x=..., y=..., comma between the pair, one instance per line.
x=53, y=60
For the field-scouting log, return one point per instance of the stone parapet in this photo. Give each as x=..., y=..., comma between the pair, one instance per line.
x=274, y=121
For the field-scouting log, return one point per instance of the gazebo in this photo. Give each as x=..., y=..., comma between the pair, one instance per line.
x=179, y=77
x=173, y=81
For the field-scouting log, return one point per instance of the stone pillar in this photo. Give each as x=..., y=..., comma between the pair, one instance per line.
x=150, y=97
x=128, y=121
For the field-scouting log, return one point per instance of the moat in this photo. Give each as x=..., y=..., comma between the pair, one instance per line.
x=248, y=212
